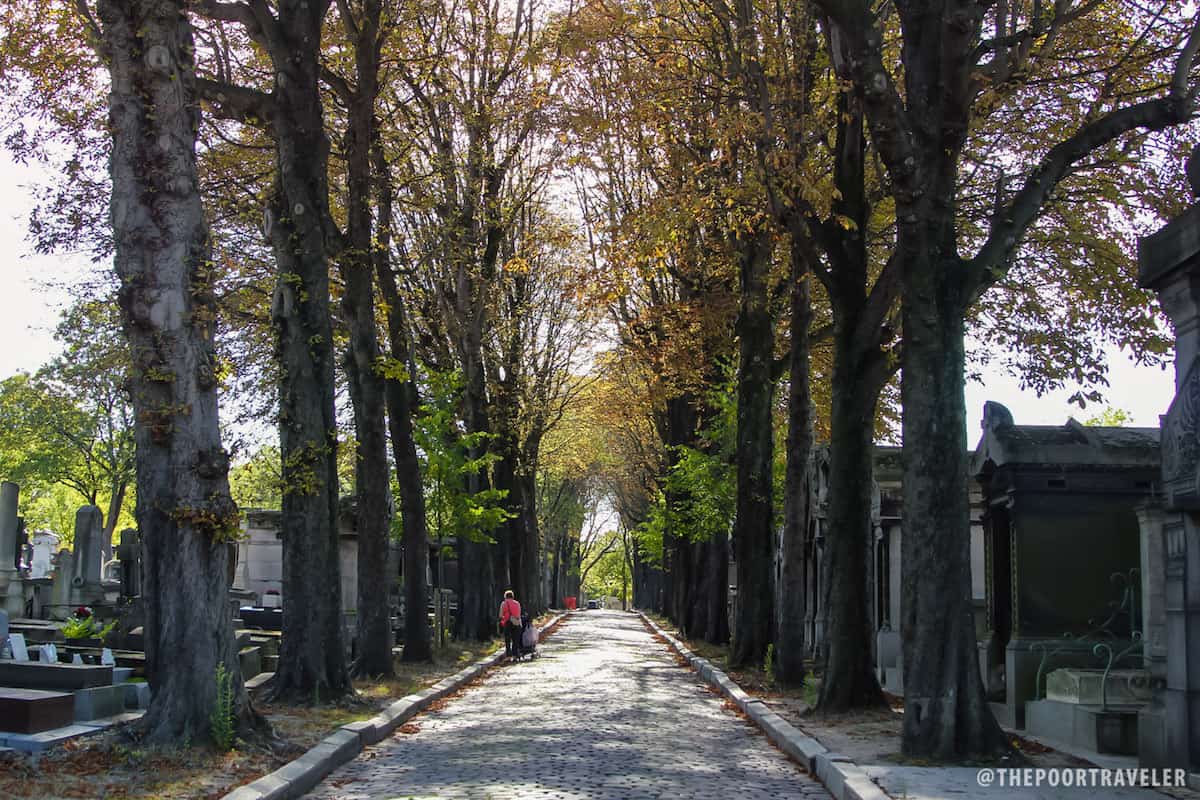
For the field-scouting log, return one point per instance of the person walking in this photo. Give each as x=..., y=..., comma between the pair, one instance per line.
x=510, y=623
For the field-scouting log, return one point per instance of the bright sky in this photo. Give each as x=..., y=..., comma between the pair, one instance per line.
x=28, y=314
x=1144, y=392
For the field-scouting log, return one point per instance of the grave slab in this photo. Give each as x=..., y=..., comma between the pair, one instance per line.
x=62, y=677
x=255, y=683
x=137, y=695
x=1086, y=686
x=101, y=701
x=34, y=711
x=39, y=742
x=250, y=659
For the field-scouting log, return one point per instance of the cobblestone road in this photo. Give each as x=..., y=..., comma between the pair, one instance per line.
x=604, y=713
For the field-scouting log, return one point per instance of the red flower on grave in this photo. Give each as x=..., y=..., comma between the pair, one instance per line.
x=83, y=612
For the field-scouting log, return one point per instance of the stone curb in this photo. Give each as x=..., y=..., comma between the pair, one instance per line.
x=844, y=779
x=299, y=776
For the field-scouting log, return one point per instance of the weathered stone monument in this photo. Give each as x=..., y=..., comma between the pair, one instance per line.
x=63, y=564
x=1061, y=542
x=11, y=590
x=1169, y=263
x=45, y=545
x=86, y=586
x=129, y=553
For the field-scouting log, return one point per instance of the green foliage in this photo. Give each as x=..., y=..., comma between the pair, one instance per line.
x=702, y=485
x=448, y=463
x=70, y=425
x=769, y=662
x=86, y=626
x=650, y=532
x=1109, y=417
x=609, y=575
x=706, y=486
x=221, y=719
x=257, y=482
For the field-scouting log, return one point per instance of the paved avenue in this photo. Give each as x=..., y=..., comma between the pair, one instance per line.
x=605, y=713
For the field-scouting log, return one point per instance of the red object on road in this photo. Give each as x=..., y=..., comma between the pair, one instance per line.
x=570, y=603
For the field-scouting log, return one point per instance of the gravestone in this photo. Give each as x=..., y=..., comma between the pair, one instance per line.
x=17, y=647
x=45, y=544
x=22, y=540
x=48, y=653
x=1093, y=687
x=60, y=606
x=129, y=553
x=88, y=557
x=33, y=710
x=1169, y=264
x=11, y=590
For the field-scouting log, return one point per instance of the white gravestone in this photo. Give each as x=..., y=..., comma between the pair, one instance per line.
x=48, y=654
x=45, y=545
x=16, y=643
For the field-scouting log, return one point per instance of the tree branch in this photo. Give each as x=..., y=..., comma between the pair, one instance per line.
x=240, y=103
x=992, y=261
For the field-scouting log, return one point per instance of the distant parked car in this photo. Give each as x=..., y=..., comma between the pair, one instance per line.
x=593, y=604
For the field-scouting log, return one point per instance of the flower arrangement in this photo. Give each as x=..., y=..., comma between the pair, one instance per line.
x=84, y=625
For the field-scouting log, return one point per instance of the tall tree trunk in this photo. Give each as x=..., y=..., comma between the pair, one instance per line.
x=556, y=588
x=700, y=586
x=849, y=679
x=479, y=594
x=312, y=658
x=716, y=590
x=402, y=403
x=508, y=561
x=115, y=501
x=681, y=420
x=163, y=260
x=946, y=711
x=793, y=588
x=371, y=474
x=753, y=535
x=535, y=600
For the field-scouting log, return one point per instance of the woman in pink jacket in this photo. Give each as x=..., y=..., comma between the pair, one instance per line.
x=510, y=623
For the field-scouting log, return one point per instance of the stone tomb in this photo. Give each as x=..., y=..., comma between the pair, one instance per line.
x=1062, y=549
x=61, y=677
x=1169, y=264
x=35, y=710
x=1091, y=710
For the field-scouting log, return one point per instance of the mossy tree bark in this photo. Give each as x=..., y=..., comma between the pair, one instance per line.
x=163, y=261
x=312, y=658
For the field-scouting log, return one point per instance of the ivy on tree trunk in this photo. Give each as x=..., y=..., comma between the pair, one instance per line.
x=163, y=260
